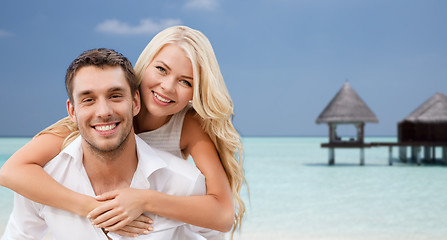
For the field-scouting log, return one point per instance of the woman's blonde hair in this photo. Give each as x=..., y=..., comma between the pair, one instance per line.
x=211, y=101
x=65, y=128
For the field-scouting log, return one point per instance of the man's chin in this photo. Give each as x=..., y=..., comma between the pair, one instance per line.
x=106, y=147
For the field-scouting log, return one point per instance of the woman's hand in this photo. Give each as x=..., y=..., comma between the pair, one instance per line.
x=122, y=212
x=141, y=225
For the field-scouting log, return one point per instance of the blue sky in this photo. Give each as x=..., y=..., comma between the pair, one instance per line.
x=282, y=60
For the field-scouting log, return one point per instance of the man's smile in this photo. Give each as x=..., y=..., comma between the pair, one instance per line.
x=106, y=128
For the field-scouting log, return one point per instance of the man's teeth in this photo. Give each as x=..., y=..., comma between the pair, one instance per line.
x=161, y=98
x=104, y=128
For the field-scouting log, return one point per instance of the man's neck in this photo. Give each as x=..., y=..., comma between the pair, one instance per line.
x=112, y=170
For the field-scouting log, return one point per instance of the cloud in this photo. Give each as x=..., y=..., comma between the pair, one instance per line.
x=4, y=33
x=207, y=5
x=146, y=26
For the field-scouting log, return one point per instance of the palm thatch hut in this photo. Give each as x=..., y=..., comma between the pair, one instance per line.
x=425, y=127
x=346, y=108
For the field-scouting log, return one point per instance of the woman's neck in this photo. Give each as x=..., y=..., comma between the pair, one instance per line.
x=145, y=121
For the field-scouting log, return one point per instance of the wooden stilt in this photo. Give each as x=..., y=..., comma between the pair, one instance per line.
x=413, y=154
x=427, y=151
x=418, y=155
x=444, y=154
x=390, y=156
x=403, y=154
x=331, y=156
x=362, y=156
x=434, y=153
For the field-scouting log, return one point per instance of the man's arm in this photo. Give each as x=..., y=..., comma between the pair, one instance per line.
x=25, y=222
x=23, y=173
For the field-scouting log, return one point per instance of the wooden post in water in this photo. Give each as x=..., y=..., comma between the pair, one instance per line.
x=444, y=154
x=331, y=156
x=418, y=155
x=434, y=153
x=362, y=156
x=427, y=151
x=403, y=154
x=390, y=155
x=413, y=154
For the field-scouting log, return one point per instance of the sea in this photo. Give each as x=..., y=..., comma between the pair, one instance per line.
x=294, y=193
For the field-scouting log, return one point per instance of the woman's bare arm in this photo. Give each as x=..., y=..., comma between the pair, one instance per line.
x=214, y=210
x=23, y=173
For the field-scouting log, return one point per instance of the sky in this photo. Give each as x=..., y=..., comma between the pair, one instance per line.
x=282, y=60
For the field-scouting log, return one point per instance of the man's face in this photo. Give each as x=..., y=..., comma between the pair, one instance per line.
x=103, y=107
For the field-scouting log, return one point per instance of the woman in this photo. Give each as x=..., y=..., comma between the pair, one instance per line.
x=176, y=67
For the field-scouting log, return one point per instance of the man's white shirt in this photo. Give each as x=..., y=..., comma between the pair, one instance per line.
x=156, y=170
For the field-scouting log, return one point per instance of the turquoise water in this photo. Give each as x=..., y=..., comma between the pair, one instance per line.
x=296, y=195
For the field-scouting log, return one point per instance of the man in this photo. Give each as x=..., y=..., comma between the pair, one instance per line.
x=103, y=99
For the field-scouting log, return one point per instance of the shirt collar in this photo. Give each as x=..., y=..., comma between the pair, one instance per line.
x=74, y=151
x=148, y=160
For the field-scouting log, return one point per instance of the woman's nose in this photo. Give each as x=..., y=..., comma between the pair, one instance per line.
x=168, y=84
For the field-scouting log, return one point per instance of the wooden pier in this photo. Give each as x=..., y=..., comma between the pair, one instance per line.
x=416, y=148
x=333, y=145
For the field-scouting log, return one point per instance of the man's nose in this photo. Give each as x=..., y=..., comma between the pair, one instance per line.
x=104, y=109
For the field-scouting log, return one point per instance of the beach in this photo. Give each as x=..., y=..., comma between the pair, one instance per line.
x=294, y=194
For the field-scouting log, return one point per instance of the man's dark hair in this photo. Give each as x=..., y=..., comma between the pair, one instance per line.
x=100, y=57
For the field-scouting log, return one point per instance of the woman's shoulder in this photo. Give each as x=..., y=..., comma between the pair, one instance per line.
x=192, y=118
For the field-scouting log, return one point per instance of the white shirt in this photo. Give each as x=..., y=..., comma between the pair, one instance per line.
x=156, y=170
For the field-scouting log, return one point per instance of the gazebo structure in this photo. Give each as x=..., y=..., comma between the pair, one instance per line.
x=346, y=108
x=425, y=127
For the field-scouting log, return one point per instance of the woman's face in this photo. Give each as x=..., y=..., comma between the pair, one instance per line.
x=167, y=83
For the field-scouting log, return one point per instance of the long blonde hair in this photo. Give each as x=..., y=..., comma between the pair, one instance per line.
x=65, y=128
x=211, y=101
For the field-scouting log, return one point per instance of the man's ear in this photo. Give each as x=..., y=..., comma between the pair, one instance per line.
x=136, y=103
x=71, y=111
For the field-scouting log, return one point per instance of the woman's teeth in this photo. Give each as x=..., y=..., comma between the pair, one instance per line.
x=161, y=98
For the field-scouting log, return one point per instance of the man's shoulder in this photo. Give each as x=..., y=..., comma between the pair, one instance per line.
x=179, y=177
x=69, y=159
x=178, y=165
x=165, y=160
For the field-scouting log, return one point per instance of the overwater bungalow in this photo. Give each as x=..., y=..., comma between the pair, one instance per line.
x=425, y=127
x=346, y=108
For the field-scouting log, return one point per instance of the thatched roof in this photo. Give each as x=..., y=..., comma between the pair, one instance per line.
x=347, y=107
x=434, y=110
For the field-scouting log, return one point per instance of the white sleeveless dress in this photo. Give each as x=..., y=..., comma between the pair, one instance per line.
x=167, y=137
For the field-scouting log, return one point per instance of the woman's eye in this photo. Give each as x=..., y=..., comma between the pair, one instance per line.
x=161, y=69
x=186, y=83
